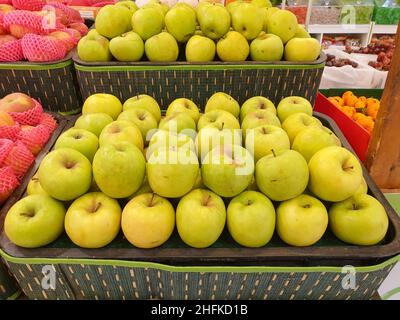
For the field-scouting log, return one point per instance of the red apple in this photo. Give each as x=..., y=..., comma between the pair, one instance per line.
x=16, y=102
x=34, y=138
x=74, y=33
x=81, y=27
x=6, y=38
x=65, y=38
x=5, y=119
x=6, y=8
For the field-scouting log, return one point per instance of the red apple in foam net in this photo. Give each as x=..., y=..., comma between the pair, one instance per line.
x=16, y=102
x=4, y=8
x=6, y=38
x=66, y=38
x=6, y=119
x=81, y=27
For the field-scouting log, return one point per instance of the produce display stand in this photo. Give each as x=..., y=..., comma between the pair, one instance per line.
x=224, y=271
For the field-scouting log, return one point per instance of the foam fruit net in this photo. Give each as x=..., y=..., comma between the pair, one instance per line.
x=31, y=22
x=31, y=5
x=11, y=51
x=10, y=132
x=5, y=147
x=49, y=122
x=34, y=138
x=19, y=159
x=71, y=14
x=30, y=117
x=42, y=49
x=8, y=183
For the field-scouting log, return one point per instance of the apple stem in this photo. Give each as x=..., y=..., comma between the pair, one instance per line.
x=27, y=214
x=151, y=200
x=348, y=168
x=205, y=202
x=223, y=124
x=273, y=152
x=354, y=206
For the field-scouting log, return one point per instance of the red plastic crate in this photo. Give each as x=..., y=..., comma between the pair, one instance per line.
x=356, y=135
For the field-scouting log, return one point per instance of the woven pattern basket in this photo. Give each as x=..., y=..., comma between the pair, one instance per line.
x=8, y=287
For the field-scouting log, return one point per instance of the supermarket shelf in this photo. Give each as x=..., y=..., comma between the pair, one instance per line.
x=384, y=29
x=339, y=28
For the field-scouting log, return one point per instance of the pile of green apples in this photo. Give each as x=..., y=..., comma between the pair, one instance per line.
x=233, y=33
x=256, y=168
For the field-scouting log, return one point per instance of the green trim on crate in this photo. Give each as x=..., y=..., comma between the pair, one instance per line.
x=391, y=293
x=28, y=66
x=194, y=67
x=394, y=200
x=152, y=265
x=71, y=113
x=14, y=296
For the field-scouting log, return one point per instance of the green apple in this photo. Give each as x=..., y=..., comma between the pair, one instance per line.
x=177, y=123
x=80, y=140
x=34, y=186
x=93, y=122
x=142, y=118
x=184, y=105
x=112, y=21
x=298, y=122
x=363, y=188
x=271, y=11
x=181, y=22
x=94, y=47
x=302, y=49
x=210, y=137
x=262, y=3
x=172, y=173
x=214, y=21
x=251, y=219
x=161, y=48
x=185, y=5
x=65, y=174
x=93, y=220
x=283, y=23
x=253, y=185
x=199, y=182
x=147, y=22
x=219, y=119
x=335, y=174
x=313, y=139
x=264, y=14
x=301, y=221
x=222, y=101
x=200, y=218
x=266, y=138
x=360, y=220
x=294, y=104
x=102, y=103
x=227, y=170
x=144, y=188
x=266, y=47
x=127, y=47
x=148, y=220
x=34, y=221
x=256, y=103
x=233, y=47
x=168, y=139
x=248, y=20
x=121, y=131
x=131, y=5
x=258, y=118
x=301, y=32
x=162, y=8
x=119, y=169
x=200, y=49
x=233, y=5
x=146, y=102
x=282, y=175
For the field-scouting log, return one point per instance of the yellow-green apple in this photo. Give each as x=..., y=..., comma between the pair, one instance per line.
x=161, y=48
x=264, y=15
x=363, y=188
x=178, y=123
x=200, y=218
x=218, y=118
x=35, y=221
x=211, y=136
x=199, y=182
x=256, y=103
x=222, y=101
x=142, y=118
x=65, y=174
x=359, y=220
x=251, y=219
x=158, y=5
x=93, y=122
x=214, y=21
x=253, y=185
x=119, y=169
x=102, y=103
x=172, y=172
x=227, y=170
x=144, y=188
x=258, y=118
x=184, y=105
x=148, y=220
x=121, y=130
x=6, y=119
x=112, y=21
x=248, y=20
x=185, y=5
x=294, y=104
x=94, y=47
x=181, y=22
x=310, y=140
x=301, y=32
x=93, y=220
x=282, y=175
x=34, y=186
x=80, y=140
x=302, y=49
x=147, y=22
x=131, y=5
x=301, y=221
x=266, y=47
x=233, y=5
x=144, y=101
x=262, y=3
x=168, y=139
x=298, y=122
x=335, y=174
x=200, y=49
x=233, y=47
x=266, y=138
x=127, y=47
x=16, y=102
x=283, y=23
x=271, y=11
